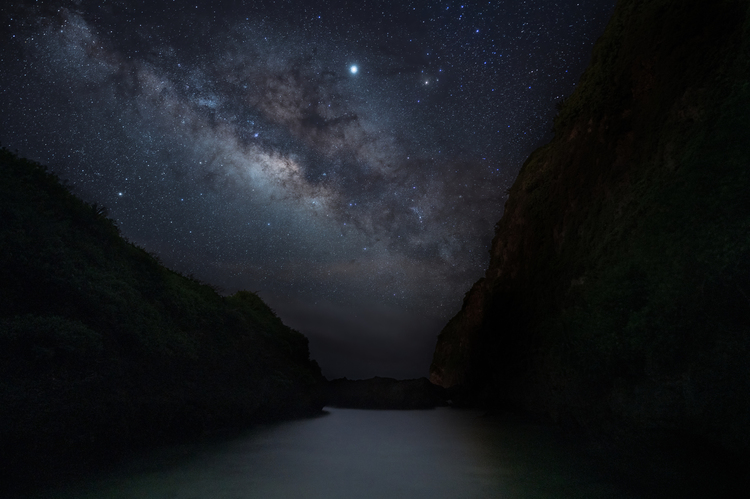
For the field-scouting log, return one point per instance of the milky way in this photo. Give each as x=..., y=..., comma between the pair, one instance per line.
x=236, y=142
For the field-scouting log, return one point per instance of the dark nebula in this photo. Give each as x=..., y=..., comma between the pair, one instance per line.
x=235, y=141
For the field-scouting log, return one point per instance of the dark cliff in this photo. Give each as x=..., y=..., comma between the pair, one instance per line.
x=617, y=297
x=103, y=349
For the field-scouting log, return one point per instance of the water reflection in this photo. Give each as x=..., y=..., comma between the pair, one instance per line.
x=350, y=453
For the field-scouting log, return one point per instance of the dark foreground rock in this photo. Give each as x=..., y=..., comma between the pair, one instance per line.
x=385, y=393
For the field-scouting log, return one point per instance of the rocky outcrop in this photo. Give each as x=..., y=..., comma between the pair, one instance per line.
x=618, y=292
x=384, y=393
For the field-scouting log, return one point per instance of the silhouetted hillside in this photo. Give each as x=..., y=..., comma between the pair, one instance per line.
x=618, y=293
x=102, y=348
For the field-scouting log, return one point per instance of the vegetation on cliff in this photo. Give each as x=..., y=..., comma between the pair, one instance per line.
x=618, y=292
x=103, y=348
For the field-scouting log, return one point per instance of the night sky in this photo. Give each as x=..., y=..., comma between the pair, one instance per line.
x=346, y=160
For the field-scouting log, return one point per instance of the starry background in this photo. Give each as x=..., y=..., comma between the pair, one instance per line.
x=347, y=160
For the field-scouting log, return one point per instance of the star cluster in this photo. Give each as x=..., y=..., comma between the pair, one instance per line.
x=348, y=161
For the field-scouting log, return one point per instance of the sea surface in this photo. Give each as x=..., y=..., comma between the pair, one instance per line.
x=349, y=453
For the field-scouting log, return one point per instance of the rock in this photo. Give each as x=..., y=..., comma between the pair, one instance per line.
x=616, y=297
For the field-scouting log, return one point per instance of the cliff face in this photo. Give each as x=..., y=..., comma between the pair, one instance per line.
x=618, y=291
x=103, y=349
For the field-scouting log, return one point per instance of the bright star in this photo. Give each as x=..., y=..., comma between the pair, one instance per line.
x=353, y=69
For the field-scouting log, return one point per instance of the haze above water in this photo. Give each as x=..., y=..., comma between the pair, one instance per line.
x=349, y=453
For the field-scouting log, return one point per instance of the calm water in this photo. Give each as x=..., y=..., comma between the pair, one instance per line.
x=349, y=453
